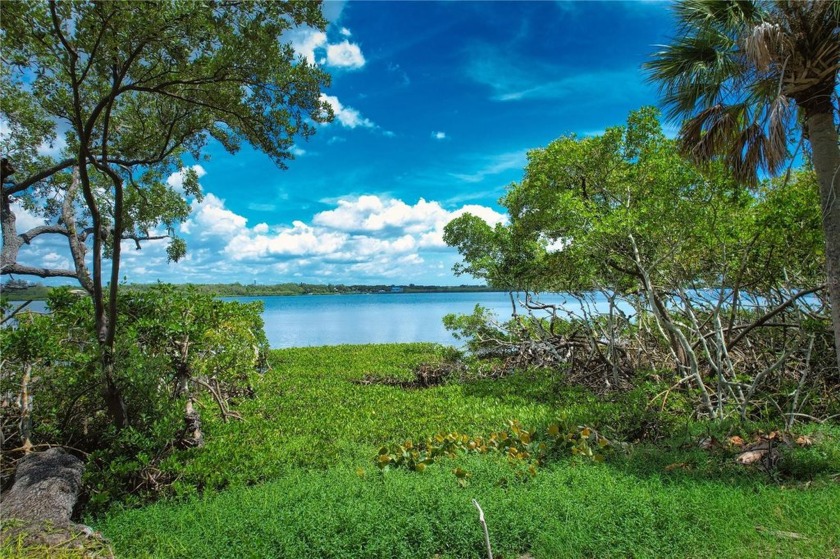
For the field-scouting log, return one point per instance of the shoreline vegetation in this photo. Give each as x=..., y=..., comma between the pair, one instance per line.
x=26, y=291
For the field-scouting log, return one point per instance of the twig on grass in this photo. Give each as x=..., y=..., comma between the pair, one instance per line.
x=484, y=525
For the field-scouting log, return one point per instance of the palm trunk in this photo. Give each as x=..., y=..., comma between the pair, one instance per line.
x=822, y=135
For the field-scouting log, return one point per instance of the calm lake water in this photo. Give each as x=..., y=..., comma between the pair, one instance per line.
x=315, y=320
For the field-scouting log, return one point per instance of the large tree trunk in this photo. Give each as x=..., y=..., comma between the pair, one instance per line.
x=112, y=393
x=822, y=135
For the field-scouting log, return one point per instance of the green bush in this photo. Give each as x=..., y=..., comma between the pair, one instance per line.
x=172, y=346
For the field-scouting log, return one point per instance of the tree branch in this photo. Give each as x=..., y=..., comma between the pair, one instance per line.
x=21, y=269
x=37, y=177
x=771, y=314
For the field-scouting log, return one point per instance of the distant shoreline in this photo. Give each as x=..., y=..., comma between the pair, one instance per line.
x=40, y=292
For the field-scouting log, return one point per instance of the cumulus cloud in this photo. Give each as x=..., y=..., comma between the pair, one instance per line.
x=439, y=135
x=176, y=179
x=365, y=231
x=210, y=218
x=299, y=240
x=306, y=41
x=348, y=117
x=345, y=55
x=367, y=238
x=24, y=219
x=371, y=213
x=314, y=46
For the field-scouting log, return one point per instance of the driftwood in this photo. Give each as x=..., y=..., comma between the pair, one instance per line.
x=38, y=507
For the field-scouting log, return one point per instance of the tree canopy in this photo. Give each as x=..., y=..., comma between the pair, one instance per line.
x=744, y=75
x=134, y=88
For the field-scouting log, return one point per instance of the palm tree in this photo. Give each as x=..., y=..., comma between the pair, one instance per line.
x=747, y=74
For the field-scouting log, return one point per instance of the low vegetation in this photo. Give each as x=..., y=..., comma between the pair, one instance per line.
x=688, y=410
x=301, y=478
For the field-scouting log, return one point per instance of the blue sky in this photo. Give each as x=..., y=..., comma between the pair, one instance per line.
x=436, y=107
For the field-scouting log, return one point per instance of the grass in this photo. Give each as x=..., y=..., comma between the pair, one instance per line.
x=297, y=477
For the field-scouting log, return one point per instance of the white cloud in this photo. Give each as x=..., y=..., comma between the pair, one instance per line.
x=371, y=213
x=345, y=55
x=54, y=148
x=176, y=179
x=424, y=221
x=556, y=245
x=347, y=116
x=306, y=41
x=313, y=45
x=297, y=151
x=24, y=219
x=368, y=238
x=55, y=261
x=210, y=218
x=299, y=240
x=439, y=135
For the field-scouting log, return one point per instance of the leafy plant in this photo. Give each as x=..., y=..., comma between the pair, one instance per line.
x=518, y=444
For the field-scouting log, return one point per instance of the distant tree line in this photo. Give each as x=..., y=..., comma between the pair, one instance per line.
x=20, y=290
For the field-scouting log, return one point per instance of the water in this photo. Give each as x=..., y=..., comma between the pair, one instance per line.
x=315, y=320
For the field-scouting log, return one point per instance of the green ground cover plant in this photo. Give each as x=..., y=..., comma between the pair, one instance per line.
x=297, y=477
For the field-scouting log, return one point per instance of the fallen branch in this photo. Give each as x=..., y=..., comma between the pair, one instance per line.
x=484, y=526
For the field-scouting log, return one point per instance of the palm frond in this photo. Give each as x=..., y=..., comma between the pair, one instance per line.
x=738, y=69
x=779, y=118
x=693, y=71
x=765, y=45
x=723, y=14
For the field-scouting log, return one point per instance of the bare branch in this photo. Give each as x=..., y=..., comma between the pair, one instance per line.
x=15, y=268
x=761, y=321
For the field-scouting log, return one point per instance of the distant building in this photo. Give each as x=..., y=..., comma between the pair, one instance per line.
x=396, y=289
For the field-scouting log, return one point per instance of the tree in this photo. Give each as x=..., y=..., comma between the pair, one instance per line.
x=689, y=265
x=135, y=86
x=173, y=345
x=737, y=72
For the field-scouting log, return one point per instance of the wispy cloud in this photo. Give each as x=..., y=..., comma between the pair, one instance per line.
x=495, y=165
x=504, y=73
